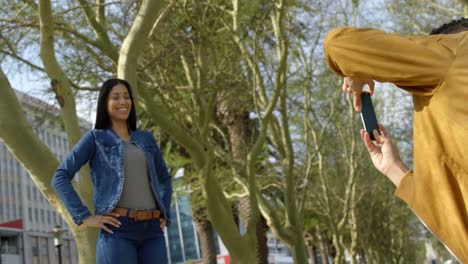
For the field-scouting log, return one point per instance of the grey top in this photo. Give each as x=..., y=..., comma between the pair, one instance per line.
x=136, y=191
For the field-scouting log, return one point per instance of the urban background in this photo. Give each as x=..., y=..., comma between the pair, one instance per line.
x=264, y=149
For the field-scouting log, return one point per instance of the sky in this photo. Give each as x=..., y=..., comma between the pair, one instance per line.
x=37, y=86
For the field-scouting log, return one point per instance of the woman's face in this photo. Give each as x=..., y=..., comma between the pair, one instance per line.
x=119, y=104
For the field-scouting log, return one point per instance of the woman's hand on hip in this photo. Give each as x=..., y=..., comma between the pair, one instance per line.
x=162, y=223
x=100, y=221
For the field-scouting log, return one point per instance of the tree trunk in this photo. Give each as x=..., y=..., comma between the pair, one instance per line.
x=39, y=162
x=309, y=242
x=86, y=244
x=322, y=246
x=312, y=257
x=354, y=240
x=241, y=247
x=338, y=257
x=362, y=257
x=204, y=228
x=262, y=245
x=298, y=249
x=206, y=236
x=135, y=40
x=261, y=227
x=85, y=239
x=238, y=126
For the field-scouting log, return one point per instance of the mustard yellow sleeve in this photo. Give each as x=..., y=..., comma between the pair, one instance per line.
x=405, y=189
x=419, y=62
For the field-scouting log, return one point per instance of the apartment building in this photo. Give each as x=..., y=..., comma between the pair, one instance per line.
x=26, y=218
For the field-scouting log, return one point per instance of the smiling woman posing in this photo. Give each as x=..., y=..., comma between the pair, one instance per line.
x=132, y=187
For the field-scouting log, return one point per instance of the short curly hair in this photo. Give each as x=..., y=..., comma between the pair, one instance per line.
x=455, y=26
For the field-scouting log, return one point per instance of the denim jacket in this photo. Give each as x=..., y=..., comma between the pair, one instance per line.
x=104, y=151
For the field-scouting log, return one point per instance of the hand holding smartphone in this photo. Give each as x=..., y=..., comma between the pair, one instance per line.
x=369, y=120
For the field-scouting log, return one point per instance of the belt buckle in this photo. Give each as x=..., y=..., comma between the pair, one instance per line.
x=136, y=214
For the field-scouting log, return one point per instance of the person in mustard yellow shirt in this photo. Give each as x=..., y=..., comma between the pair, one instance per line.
x=434, y=69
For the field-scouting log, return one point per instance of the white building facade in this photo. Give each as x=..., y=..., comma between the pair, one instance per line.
x=26, y=218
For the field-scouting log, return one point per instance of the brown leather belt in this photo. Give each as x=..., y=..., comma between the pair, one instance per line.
x=138, y=214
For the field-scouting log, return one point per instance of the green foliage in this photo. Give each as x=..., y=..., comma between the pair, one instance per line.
x=420, y=17
x=195, y=70
x=387, y=226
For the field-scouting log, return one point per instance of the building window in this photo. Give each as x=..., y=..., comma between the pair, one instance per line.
x=9, y=245
x=175, y=245
x=66, y=251
x=12, y=189
x=35, y=250
x=65, y=144
x=30, y=214
x=48, y=139
x=44, y=250
x=8, y=211
x=42, y=216
x=56, y=142
x=18, y=187
x=187, y=228
x=40, y=133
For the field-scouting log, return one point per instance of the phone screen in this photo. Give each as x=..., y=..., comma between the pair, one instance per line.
x=369, y=120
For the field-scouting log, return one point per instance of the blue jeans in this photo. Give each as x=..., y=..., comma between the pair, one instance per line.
x=134, y=242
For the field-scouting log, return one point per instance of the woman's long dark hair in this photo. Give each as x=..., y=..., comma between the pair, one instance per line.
x=102, y=116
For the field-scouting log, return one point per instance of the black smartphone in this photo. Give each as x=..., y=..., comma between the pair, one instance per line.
x=369, y=120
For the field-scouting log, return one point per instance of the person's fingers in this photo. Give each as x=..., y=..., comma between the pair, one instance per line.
x=377, y=136
x=111, y=218
x=361, y=133
x=111, y=221
x=162, y=223
x=113, y=214
x=357, y=101
x=367, y=141
x=345, y=85
x=363, y=137
x=347, y=89
x=371, y=84
x=105, y=228
x=384, y=131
